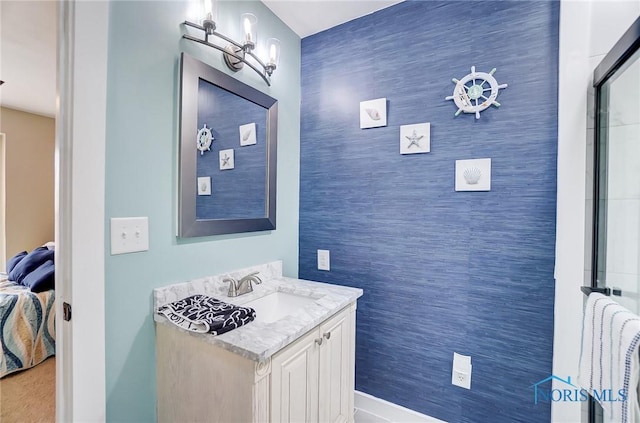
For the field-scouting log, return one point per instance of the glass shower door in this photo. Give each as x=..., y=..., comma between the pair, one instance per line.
x=616, y=199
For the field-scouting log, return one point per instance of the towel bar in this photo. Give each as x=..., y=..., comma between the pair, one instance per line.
x=586, y=290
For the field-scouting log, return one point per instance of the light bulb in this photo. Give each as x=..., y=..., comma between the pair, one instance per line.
x=272, y=53
x=208, y=9
x=247, y=29
x=210, y=12
x=249, y=24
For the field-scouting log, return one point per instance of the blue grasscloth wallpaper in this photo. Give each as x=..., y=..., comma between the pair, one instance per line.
x=239, y=192
x=442, y=271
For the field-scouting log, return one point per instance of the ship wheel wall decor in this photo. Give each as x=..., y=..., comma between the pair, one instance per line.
x=476, y=92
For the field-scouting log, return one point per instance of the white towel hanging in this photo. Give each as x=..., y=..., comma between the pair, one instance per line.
x=609, y=357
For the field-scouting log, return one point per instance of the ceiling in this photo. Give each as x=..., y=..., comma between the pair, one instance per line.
x=307, y=17
x=28, y=56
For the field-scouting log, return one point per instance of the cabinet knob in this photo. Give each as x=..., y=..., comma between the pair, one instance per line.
x=319, y=341
x=327, y=335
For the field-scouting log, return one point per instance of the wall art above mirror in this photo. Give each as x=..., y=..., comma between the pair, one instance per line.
x=228, y=144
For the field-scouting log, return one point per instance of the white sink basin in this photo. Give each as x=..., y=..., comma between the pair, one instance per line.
x=277, y=305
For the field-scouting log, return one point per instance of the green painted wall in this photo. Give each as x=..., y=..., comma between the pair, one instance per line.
x=141, y=180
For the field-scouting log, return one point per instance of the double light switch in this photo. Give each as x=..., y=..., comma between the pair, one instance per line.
x=129, y=234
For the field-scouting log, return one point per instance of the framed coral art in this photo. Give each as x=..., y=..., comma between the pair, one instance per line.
x=373, y=113
x=473, y=175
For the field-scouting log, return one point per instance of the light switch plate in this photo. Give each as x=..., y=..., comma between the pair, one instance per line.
x=129, y=234
x=324, y=260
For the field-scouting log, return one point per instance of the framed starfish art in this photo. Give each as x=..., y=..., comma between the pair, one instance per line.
x=415, y=138
x=226, y=159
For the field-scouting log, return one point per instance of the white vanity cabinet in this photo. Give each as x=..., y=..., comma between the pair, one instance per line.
x=312, y=380
x=309, y=380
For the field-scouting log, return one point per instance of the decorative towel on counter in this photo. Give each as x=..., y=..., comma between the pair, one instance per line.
x=203, y=314
x=609, y=357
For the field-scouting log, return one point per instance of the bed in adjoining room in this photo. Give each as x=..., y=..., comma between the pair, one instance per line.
x=27, y=312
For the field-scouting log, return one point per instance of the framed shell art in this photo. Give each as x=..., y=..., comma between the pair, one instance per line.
x=373, y=113
x=248, y=134
x=204, y=185
x=473, y=175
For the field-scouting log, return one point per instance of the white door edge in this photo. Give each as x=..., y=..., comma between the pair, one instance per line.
x=63, y=157
x=80, y=208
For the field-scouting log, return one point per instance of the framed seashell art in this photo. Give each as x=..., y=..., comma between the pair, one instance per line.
x=204, y=185
x=248, y=134
x=373, y=113
x=473, y=175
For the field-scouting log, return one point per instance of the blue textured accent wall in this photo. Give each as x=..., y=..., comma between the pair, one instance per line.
x=442, y=271
x=238, y=192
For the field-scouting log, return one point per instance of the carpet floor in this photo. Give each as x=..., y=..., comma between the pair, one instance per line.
x=29, y=396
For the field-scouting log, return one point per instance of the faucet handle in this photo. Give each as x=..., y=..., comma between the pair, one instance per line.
x=252, y=277
x=233, y=287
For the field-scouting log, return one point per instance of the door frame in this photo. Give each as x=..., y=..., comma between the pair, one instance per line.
x=82, y=39
x=3, y=202
x=622, y=51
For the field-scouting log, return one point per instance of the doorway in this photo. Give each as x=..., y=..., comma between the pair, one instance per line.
x=3, y=237
x=81, y=57
x=27, y=218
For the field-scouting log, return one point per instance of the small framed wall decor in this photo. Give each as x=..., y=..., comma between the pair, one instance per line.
x=248, y=134
x=473, y=175
x=204, y=185
x=226, y=159
x=373, y=113
x=415, y=138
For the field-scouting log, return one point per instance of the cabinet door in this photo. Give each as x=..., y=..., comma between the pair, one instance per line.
x=336, y=369
x=294, y=382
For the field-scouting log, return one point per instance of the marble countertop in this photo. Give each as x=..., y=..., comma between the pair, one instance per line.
x=259, y=340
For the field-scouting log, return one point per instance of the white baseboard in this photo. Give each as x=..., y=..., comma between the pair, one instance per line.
x=390, y=411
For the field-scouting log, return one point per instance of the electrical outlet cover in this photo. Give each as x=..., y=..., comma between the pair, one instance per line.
x=461, y=379
x=461, y=370
x=324, y=260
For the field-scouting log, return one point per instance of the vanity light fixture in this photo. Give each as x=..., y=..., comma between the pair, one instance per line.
x=237, y=54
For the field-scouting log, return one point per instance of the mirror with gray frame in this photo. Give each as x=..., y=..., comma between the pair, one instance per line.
x=228, y=138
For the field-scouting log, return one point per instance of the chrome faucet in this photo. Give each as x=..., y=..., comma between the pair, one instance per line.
x=242, y=286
